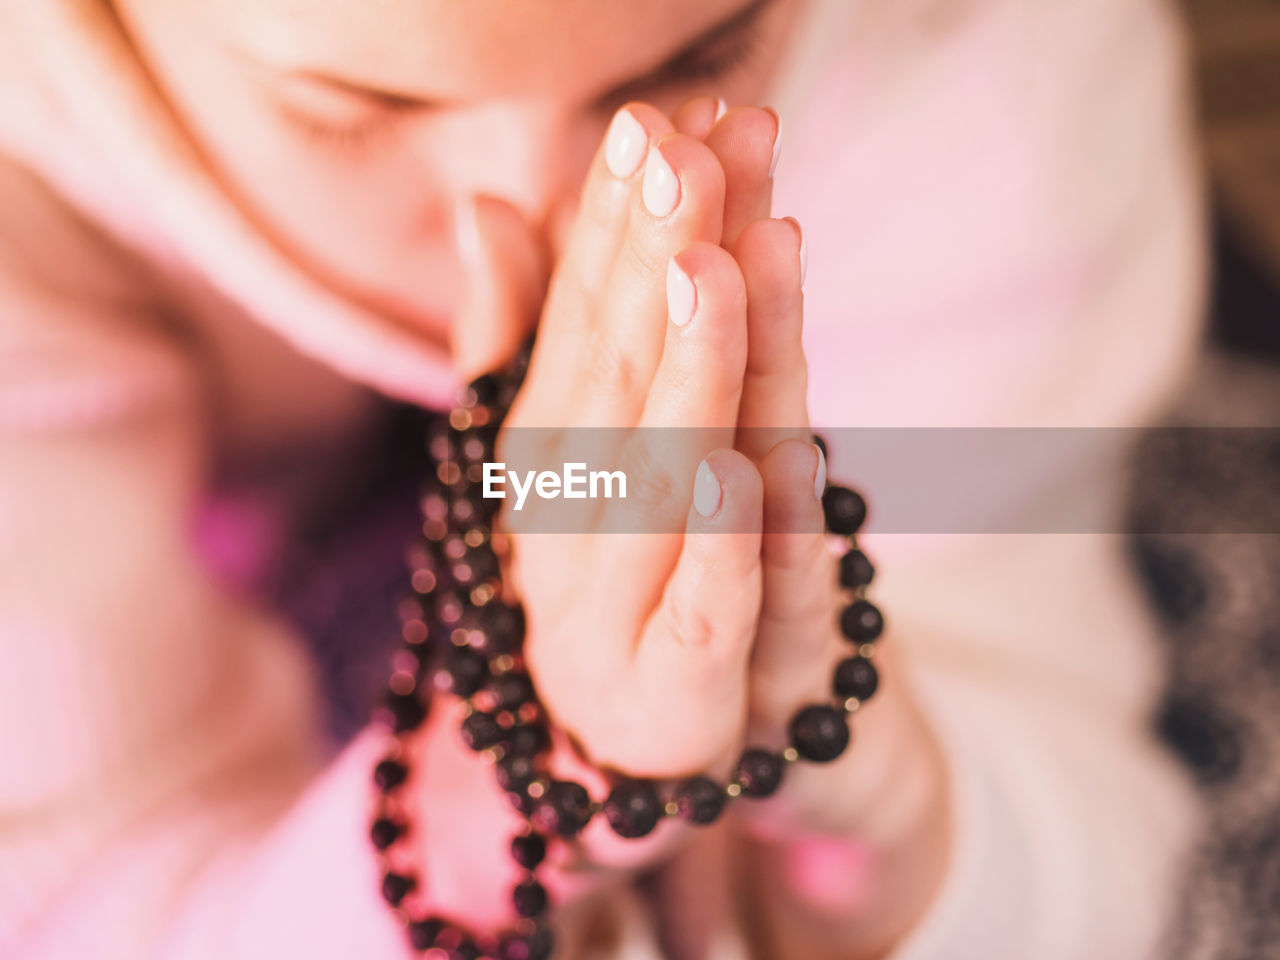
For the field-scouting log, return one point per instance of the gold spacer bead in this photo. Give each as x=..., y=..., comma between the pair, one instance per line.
x=867, y=651
x=790, y=755
x=733, y=789
x=672, y=809
x=852, y=704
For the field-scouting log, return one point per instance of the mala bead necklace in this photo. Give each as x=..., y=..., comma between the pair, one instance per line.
x=461, y=639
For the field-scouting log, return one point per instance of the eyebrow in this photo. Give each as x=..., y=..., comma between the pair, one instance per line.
x=673, y=67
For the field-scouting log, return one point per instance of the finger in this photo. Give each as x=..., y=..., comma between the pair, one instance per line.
x=589, y=248
x=505, y=270
x=746, y=141
x=696, y=117
x=698, y=382
x=797, y=634
x=771, y=255
x=564, y=214
x=692, y=405
x=696, y=646
x=679, y=202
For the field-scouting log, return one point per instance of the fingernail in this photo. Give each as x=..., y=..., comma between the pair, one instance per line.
x=625, y=145
x=466, y=227
x=803, y=254
x=777, y=144
x=820, y=475
x=682, y=295
x=661, y=189
x=706, y=491
x=721, y=107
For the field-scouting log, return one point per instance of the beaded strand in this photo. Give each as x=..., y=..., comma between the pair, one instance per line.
x=460, y=638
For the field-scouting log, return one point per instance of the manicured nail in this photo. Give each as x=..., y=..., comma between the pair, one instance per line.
x=625, y=145
x=721, y=107
x=706, y=491
x=819, y=475
x=466, y=228
x=682, y=295
x=777, y=144
x=661, y=189
x=804, y=255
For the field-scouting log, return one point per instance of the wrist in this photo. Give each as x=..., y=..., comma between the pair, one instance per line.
x=852, y=854
x=889, y=785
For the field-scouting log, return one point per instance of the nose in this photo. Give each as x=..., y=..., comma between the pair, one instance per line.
x=528, y=154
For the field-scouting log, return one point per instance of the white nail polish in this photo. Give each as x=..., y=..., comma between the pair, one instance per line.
x=661, y=188
x=777, y=148
x=804, y=255
x=706, y=491
x=682, y=295
x=820, y=475
x=466, y=228
x=721, y=108
x=625, y=145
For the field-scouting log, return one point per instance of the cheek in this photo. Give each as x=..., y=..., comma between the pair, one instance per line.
x=358, y=198
x=369, y=218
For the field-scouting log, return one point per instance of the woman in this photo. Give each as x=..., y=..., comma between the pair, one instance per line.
x=224, y=220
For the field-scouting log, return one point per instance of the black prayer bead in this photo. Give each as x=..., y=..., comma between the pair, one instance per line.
x=424, y=933
x=527, y=739
x=565, y=809
x=844, y=509
x=486, y=388
x=511, y=690
x=861, y=622
x=633, y=808
x=461, y=673
x=385, y=832
x=528, y=849
x=395, y=886
x=759, y=772
x=856, y=570
x=464, y=949
x=528, y=946
x=407, y=711
x=515, y=772
x=481, y=730
x=700, y=799
x=855, y=677
x=502, y=625
x=475, y=566
x=389, y=774
x=820, y=733
x=529, y=898
x=522, y=801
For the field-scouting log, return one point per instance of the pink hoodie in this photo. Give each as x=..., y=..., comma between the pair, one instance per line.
x=1003, y=220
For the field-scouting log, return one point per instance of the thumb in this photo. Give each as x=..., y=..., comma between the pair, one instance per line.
x=504, y=281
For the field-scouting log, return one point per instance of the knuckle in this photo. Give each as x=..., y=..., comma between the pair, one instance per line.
x=611, y=366
x=647, y=482
x=648, y=259
x=690, y=625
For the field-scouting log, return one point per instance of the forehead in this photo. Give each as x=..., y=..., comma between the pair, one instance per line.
x=475, y=48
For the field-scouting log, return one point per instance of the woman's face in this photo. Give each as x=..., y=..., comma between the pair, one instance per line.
x=349, y=128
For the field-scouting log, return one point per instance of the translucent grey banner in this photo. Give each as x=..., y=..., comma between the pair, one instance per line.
x=915, y=480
